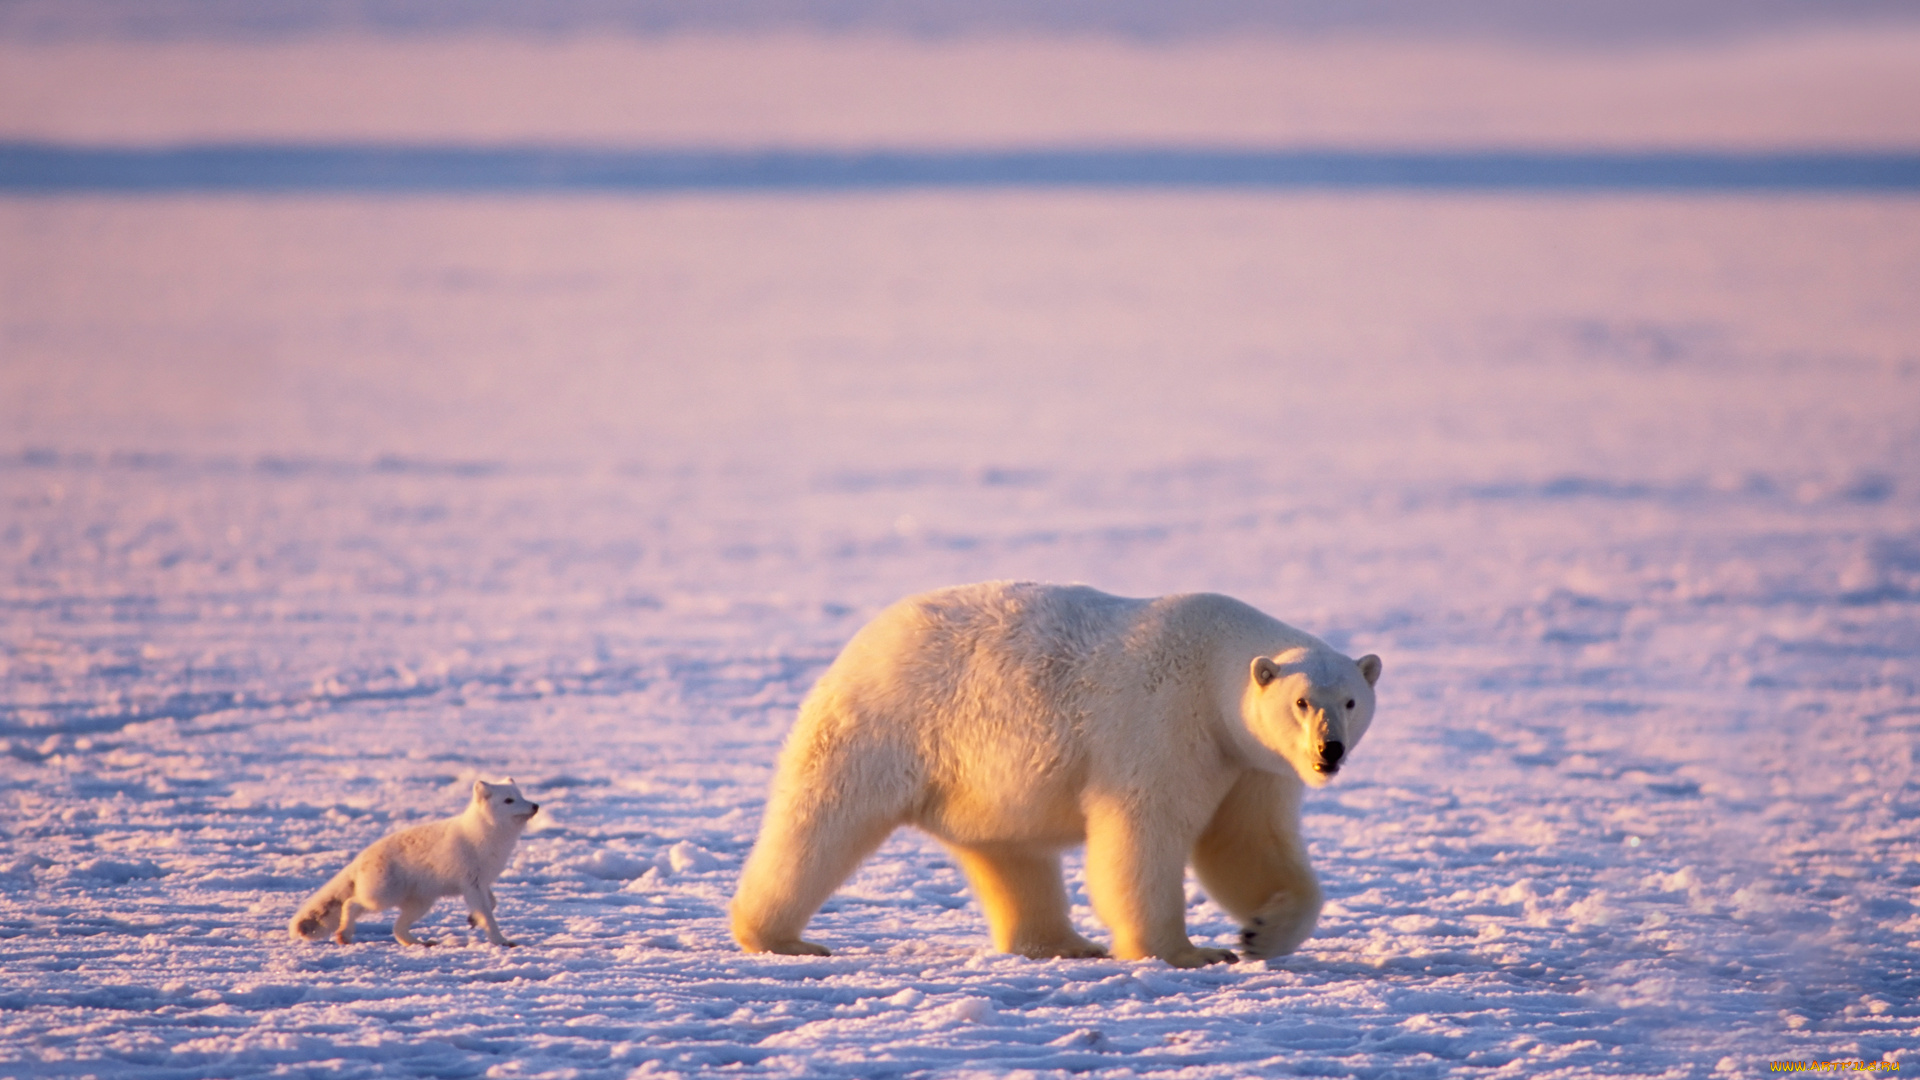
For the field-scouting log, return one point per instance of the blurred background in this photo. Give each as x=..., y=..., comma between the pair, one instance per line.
x=380, y=324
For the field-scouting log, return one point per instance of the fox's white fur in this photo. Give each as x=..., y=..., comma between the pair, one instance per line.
x=456, y=856
x=1012, y=721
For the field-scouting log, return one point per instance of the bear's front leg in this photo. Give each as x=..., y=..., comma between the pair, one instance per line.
x=1252, y=861
x=1136, y=871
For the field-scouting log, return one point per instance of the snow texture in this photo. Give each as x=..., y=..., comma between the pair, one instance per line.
x=312, y=510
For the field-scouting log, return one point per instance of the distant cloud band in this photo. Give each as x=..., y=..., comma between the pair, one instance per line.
x=28, y=167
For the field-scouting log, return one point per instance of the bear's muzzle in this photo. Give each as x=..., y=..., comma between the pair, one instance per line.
x=1330, y=754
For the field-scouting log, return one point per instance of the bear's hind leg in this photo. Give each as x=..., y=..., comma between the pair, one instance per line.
x=1252, y=861
x=802, y=855
x=1026, y=900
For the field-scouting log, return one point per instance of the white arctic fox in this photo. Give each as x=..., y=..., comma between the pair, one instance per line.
x=456, y=856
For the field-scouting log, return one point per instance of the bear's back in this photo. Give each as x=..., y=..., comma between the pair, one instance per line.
x=1010, y=641
x=989, y=707
x=1000, y=642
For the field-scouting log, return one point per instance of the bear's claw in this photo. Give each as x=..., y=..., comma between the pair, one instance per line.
x=1198, y=957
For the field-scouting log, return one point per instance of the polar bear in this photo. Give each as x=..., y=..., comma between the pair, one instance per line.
x=1014, y=720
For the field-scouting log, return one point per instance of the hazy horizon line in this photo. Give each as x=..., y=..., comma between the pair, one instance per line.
x=28, y=167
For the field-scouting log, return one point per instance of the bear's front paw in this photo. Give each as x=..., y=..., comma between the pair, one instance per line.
x=1275, y=933
x=1074, y=948
x=1193, y=956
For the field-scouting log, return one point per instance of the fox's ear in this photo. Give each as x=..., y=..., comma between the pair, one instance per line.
x=481, y=789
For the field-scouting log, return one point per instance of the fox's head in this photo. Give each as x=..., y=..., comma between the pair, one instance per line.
x=503, y=803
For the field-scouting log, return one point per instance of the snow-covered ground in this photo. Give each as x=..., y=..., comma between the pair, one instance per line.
x=317, y=509
x=314, y=509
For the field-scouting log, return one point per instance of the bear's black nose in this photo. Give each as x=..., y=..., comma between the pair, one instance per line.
x=1332, y=752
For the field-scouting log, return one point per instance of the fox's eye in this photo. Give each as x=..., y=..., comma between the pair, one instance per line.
x=1349, y=703
x=1301, y=704
x=509, y=802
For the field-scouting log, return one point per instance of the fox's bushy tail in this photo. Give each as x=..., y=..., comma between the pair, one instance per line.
x=320, y=915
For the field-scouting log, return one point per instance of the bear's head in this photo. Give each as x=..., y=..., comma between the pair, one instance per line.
x=1311, y=706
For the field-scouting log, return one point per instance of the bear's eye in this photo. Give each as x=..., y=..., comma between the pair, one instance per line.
x=1301, y=704
x=1349, y=703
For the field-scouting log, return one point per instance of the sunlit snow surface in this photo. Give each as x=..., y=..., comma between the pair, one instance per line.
x=312, y=510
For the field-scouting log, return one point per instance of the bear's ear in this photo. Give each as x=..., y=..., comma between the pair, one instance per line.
x=1264, y=670
x=1369, y=668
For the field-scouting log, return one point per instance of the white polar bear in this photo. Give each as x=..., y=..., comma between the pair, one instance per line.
x=1014, y=720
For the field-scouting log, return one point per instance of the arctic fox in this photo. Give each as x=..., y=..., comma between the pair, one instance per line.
x=456, y=856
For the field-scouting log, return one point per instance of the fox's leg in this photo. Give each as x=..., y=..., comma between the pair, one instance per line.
x=344, y=935
x=479, y=902
x=1025, y=900
x=410, y=911
x=474, y=920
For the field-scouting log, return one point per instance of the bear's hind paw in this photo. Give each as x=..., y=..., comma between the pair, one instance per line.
x=798, y=948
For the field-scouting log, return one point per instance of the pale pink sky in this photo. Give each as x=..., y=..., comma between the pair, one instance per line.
x=1839, y=87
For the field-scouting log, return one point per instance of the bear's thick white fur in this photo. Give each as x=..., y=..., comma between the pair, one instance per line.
x=1015, y=720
